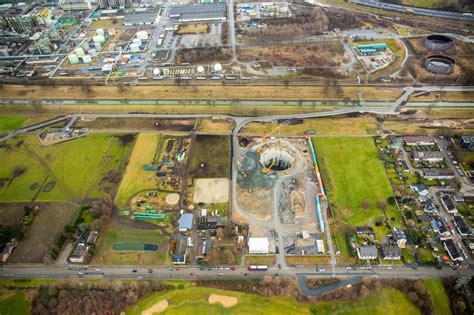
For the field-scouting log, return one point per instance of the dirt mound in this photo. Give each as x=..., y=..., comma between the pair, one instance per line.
x=226, y=301
x=156, y=308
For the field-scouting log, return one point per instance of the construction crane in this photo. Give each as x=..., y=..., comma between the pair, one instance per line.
x=267, y=169
x=265, y=137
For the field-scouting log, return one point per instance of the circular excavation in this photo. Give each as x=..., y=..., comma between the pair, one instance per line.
x=439, y=64
x=438, y=42
x=276, y=159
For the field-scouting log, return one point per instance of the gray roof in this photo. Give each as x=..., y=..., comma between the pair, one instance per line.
x=185, y=222
x=368, y=251
x=391, y=251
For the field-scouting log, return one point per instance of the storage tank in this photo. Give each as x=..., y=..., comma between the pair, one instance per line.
x=137, y=41
x=142, y=35
x=92, y=52
x=79, y=52
x=86, y=59
x=98, y=46
x=100, y=31
x=217, y=67
x=73, y=59
x=99, y=39
x=156, y=72
x=200, y=69
x=134, y=47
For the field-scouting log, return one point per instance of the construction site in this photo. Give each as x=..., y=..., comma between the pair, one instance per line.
x=280, y=195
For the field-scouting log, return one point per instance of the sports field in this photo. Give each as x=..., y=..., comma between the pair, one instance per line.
x=136, y=178
x=353, y=173
x=68, y=171
x=195, y=300
x=105, y=254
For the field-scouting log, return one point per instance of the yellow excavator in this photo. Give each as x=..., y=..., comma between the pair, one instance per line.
x=267, y=169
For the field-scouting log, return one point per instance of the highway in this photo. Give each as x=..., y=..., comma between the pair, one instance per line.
x=414, y=10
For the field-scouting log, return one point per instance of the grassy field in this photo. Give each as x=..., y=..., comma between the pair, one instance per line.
x=214, y=126
x=195, y=300
x=214, y=153
x=214, y=92
x=8, y=123
x=319, y=126
x=136, y=178
x=260, y=260
x=193, y=29
x=16, y=304
x=353, y=173
x=119, y=234
x=68, y=171
x=429, y=3
x=439, y=298
x=42, y=234
x=307, y=260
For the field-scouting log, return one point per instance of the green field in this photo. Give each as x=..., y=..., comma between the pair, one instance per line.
x=352, y=173
x=194, y=300
x=118, y=234
x=214, y=153
x=16, y=304
x=68, y=171
x=439, y=298
x=8, y=123
x=136, y=178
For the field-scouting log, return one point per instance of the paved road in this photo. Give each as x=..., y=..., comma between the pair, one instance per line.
x=414, y=10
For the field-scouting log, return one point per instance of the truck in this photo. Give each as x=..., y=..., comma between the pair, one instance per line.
x=257, y=268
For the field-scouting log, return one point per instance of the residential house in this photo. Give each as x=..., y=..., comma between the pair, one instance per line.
x=92, y=237
x=181, y=250
x=437, y=173
x=396, y=143
x=430, y=207
x=391, y=252
x=444, y=230
x=467, y=143
x=185, y=222
x=427, y=156
x=367, y=252
x=80, y=254
x=462, y=226
x=448, y=204
x=420, y=189
x=204, y=249
x=452, y=250
x=403, y=164
x=419, y=140
x=399, y=236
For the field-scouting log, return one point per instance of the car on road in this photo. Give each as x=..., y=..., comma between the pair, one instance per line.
x=176, y=268
x=279, y=266
x=170, y=268
x=80, y=273
x=150, y=270
x=134, y=270
x=202, y=268
x=209, y=268
x=97, y=269
x=232, y=268
x=220, y=274
x=389, y=267
x=348, y=268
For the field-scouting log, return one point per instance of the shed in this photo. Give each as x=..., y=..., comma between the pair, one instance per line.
x=185, y=222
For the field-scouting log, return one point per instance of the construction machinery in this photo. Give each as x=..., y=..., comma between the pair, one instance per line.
x=267, y=169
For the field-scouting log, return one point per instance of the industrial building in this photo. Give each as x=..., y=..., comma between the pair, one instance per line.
x=371, y=49
x=258, y=245
x=199, y=13
x=147, y=17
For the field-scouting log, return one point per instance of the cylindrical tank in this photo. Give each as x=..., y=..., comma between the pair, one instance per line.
x=439, y=64
x=79, y=52
x=217, y=67
x=73, y=59
x=86, y=59
x=100, y=31
x=99, y=39
x=438, y=42
x=134, y=48
x=200, y=69
x=92, y=52
x=111, y=31
x=143, y=35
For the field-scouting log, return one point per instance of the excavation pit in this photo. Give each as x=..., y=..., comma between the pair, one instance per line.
x=277, y=159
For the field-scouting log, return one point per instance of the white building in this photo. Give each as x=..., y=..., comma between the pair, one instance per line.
x=258, y=245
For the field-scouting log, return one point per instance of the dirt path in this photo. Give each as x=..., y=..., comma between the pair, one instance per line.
x=156, y=308
x=226, y=301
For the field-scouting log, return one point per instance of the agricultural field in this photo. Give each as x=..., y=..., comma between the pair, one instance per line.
x=137, y=124
x=14, y=303
x=42, y=234
x=68, y=171
x=352, y=174
x=214, y=126
x=363, y=125
x=105, y=254
x=8, y=123
x=196, y=300
x=136, y=178
x=214, y=153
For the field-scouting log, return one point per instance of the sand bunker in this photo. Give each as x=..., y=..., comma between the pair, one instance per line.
x=156, y=308
x=226, y=301
x=172, y=199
